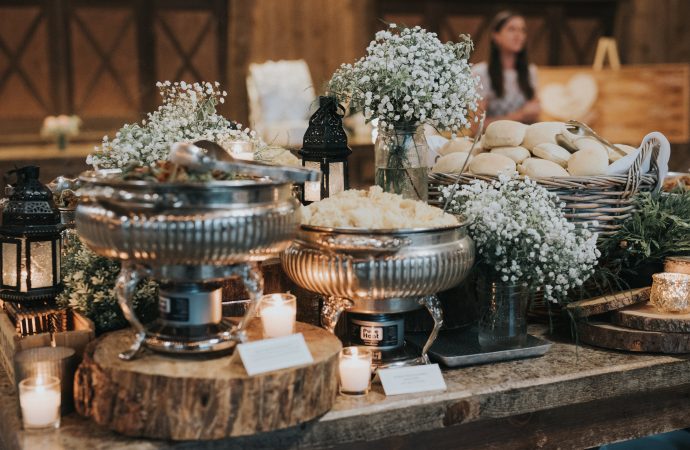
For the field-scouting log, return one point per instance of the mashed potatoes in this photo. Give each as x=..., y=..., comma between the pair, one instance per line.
x=374, y=209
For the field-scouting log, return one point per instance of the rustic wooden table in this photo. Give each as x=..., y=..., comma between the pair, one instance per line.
x=53, y=162
x=574, y=397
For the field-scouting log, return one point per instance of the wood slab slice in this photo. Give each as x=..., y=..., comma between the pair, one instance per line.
x=647, y=317
x=608, y=303
x=615, y=337
x=194, y=398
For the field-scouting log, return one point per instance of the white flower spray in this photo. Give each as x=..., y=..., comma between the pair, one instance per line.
x=409, y=76
x=523, y=236
x=188, y=114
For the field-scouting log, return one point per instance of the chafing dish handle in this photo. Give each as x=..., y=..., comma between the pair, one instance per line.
x=294, y=174
x=130, y=276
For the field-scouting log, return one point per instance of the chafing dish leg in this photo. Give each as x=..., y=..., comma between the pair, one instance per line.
x=333, y=307
x=127, y=281
x=254, y=283
x=433, y=305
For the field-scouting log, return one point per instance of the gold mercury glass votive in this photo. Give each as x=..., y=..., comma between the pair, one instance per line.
x=671, y=292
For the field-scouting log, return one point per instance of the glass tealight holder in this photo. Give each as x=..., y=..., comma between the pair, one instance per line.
x=354, y=369
x=278, y=312
x=241, y=150
x=39, y=399
x=671, y=292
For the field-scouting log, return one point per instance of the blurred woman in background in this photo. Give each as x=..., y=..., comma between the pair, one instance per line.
x=508, y=81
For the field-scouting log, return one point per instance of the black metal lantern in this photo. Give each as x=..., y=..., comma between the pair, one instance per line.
x=325, y=148
x=30, y=241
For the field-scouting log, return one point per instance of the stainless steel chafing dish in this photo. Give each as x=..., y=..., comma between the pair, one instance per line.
x=380, y=271
x=190, y=236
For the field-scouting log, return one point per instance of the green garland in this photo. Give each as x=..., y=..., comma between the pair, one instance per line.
x=89, y=282
x=659, y=228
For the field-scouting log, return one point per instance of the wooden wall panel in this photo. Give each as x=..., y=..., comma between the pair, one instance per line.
x=185, y=46
x=104, y=64
x=25, y=96
x=324, y=33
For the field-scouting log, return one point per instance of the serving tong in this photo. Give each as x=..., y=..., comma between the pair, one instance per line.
x=581, y=130
x=206, y=155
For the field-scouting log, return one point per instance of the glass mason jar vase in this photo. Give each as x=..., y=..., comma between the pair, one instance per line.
x=401, y=161
x=502, y=312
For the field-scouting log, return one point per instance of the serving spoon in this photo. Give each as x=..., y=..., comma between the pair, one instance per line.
x=213, y=157
x=464, y=165
x=581, y=130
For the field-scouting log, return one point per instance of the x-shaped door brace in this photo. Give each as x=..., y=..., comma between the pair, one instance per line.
x=15, y=58
x=186, y=56
x=581, y=51
x=105, y=55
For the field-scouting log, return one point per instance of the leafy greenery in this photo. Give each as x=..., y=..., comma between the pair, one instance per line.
x=660, y=227
x=89, y=282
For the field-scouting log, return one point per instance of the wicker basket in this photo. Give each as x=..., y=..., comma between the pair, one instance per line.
x=607, y=200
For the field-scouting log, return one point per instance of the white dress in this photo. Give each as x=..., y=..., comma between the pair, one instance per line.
x=513, y=98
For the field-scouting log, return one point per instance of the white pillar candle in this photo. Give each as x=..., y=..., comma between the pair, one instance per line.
x=39, y=399
x=355, y=371
x=278, y=312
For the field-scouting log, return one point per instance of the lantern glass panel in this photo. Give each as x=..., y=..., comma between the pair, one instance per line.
x=312, y=189
x=41, y=264
x=58, y=258
x=9, y=263
x=336, y=179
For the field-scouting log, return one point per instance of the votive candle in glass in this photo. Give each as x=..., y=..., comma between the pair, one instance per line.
x=355, y=371
x=39, y=399
x=278, y=312
x=241, y=150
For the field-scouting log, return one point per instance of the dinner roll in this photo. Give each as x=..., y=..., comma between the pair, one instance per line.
x=541, y=168
x=586, y=143
x=504, y=133
x=517, y=154
x=552, y=152
x=491, y=164
x=541, y=132
x=458, y=145
x=451, y=163
x=588, y=162
x=615, y=156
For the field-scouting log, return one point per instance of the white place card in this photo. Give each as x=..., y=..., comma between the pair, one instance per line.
x=407, y=380
x=273, y=354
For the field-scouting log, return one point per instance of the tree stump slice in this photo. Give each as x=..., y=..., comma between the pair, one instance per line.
x=197, y=398
x=607, y=303
x=615, y=337
x=646, y=317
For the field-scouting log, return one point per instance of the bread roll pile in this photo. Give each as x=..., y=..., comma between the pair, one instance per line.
x=375, y=210
x=532, y=150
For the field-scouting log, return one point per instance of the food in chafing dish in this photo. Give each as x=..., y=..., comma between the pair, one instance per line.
x=374, y=209
x=675, y=181
x=166, y=171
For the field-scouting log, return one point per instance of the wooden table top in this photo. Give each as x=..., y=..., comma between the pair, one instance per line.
x=42, y=152
x=573, y=397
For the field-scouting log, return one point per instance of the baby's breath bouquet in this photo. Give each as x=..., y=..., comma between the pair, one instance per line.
x=89, y=287
x=408, y=78
x=522, y=236
x=188, y=114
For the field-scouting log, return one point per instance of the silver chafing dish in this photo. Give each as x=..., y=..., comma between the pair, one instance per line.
x=189, y=236
x=380, y=271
